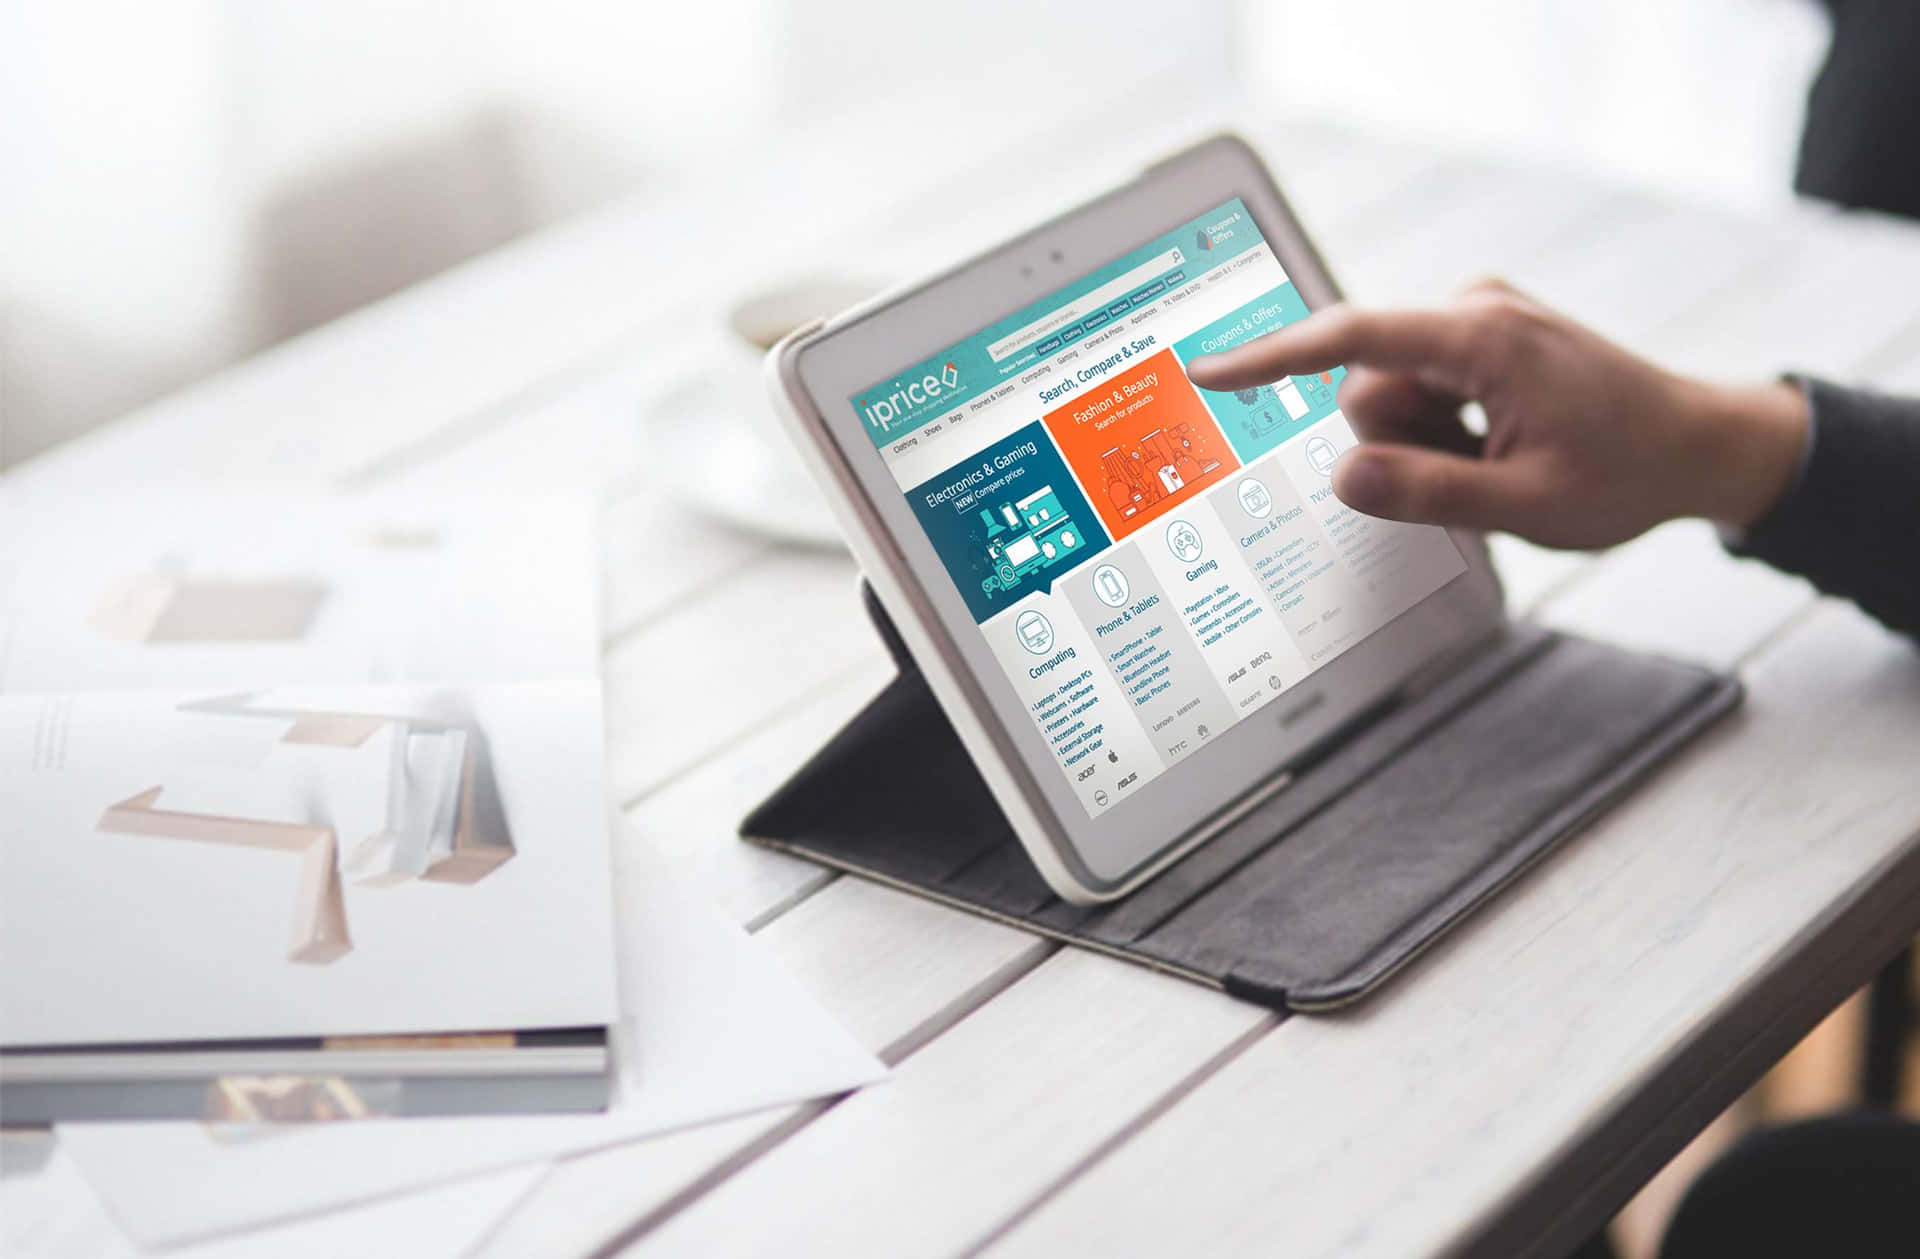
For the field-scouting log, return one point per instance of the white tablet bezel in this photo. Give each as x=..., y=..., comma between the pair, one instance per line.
x=817, y=370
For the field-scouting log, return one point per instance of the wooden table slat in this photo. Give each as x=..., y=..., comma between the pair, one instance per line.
x=692, y=820
x=1649, y=595
x=969, y=1127
x=685, y=687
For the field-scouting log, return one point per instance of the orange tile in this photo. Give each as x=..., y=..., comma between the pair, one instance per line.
x=1140, y=443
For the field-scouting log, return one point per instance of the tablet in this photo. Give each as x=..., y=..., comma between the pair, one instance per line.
x=1138, y=602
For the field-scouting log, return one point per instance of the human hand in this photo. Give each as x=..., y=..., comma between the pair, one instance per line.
x=1586, y=444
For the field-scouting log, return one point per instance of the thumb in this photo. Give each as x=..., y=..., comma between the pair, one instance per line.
x=1431, y=487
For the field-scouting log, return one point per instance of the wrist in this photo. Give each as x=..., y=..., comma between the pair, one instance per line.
x=1750, y=441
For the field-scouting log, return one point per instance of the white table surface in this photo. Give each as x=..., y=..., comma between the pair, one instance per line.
x=1501, y=1097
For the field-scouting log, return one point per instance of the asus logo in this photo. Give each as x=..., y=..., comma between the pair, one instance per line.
x=909, y=399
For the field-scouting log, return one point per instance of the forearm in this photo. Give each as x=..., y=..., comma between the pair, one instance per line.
x=1849, y=521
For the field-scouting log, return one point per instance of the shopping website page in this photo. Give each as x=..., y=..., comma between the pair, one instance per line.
x=1149, y=562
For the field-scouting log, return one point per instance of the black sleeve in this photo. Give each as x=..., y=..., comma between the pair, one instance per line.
x=1863, y=111
x=1852, y=523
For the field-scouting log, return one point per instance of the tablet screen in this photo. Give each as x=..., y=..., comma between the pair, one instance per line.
x=1149, y=562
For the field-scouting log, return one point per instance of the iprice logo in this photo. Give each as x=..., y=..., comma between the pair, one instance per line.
x=908, y=400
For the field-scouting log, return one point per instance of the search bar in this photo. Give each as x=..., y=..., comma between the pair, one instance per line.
x=1086, y=304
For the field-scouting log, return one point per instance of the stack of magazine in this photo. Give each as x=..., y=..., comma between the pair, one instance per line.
x=304, y=813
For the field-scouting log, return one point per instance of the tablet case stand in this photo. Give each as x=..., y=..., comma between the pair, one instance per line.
x=1378, y=846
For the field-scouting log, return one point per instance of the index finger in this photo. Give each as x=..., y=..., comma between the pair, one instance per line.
x=1430, y=343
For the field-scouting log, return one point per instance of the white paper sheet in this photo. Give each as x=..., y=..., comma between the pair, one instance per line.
x=710, y=1027
x=249, y=591
x=54, y=1214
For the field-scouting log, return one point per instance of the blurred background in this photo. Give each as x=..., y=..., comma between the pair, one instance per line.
x=188, y=183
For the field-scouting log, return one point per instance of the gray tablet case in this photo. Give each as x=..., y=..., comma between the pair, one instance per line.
x=1382, y=842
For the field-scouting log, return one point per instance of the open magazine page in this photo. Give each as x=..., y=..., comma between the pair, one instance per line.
x=303, y=861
